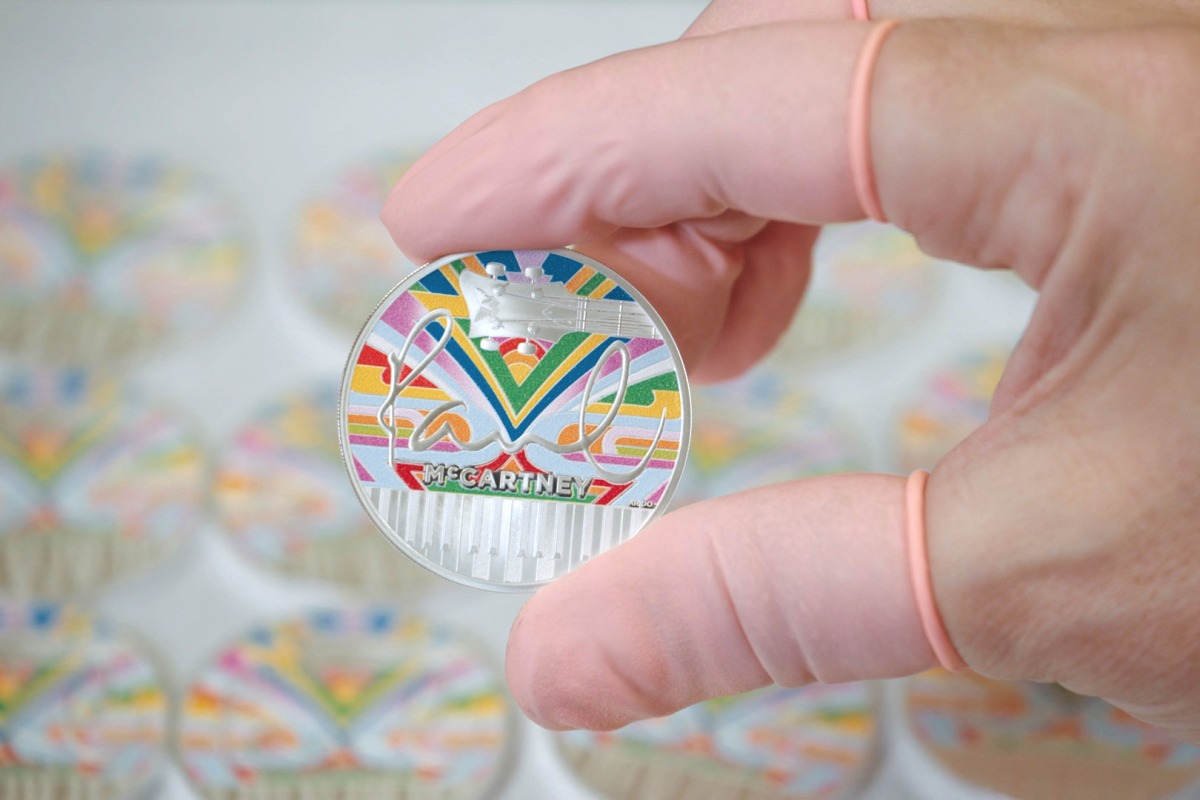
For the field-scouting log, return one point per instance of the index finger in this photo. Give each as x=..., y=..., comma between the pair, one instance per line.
x=752, y=120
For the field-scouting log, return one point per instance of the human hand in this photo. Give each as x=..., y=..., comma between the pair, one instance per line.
x=1062, y=536
x=725, y=15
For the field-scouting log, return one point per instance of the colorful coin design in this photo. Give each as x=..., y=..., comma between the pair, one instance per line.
x=952, y=406
x=870, y=282
x=282, y=494
x=760, y=430
x=1039, y=741
x=343, y=259
x=101, y=257
x=93, y=484
x=83, y=711
x=351, y=702
x=508, y=415
x=814, y=742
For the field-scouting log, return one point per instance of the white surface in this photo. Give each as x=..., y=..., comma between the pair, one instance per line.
x=271, y=99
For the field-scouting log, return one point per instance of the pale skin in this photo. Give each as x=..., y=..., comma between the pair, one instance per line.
x=1060, y=140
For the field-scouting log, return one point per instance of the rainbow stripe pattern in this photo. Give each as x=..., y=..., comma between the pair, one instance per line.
x=283, y=498
x=870, y=282
x=102, y=255
x=83, y=712
x=813, y=742
x=355, y=701
x=968, y=712
x=93, y=484
x=761, y=429
x=343, y=259
x=513, y=393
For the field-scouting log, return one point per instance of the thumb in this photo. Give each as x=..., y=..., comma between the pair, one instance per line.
x=802, y=581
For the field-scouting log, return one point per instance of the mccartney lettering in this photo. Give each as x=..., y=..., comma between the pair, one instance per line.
x=526, y=484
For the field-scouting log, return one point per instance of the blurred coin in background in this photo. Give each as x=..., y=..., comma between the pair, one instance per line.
x=283, y=496
x=95, y=484
x=1039, y=741
x=870, y=282
x=761, y=429
x=83, y=709
x=342, y=258
x=953, y=404
x=813, y=742
x=356, y=701
x=105, y=256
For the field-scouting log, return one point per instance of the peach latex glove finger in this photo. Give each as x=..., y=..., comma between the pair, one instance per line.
x=1038, y=150
x=746, y=274
x=645, y=200
x=725, y=596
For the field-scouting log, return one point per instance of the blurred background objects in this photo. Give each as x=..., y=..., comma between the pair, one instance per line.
x=188, y=243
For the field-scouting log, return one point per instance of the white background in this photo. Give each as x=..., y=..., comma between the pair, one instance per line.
x=272, y=100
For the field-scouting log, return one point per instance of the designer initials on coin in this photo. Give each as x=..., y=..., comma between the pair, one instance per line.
x=508, y=415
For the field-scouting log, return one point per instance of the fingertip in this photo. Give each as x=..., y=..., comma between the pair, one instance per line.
x=613, y=642
x=524, y=659
x=559, y=675
x=413, y=207
x=715, y=370
x=392, y=218
x=397, y=214
x=411, y=214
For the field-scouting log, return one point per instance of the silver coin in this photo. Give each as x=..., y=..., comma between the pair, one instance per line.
x=507, y=416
